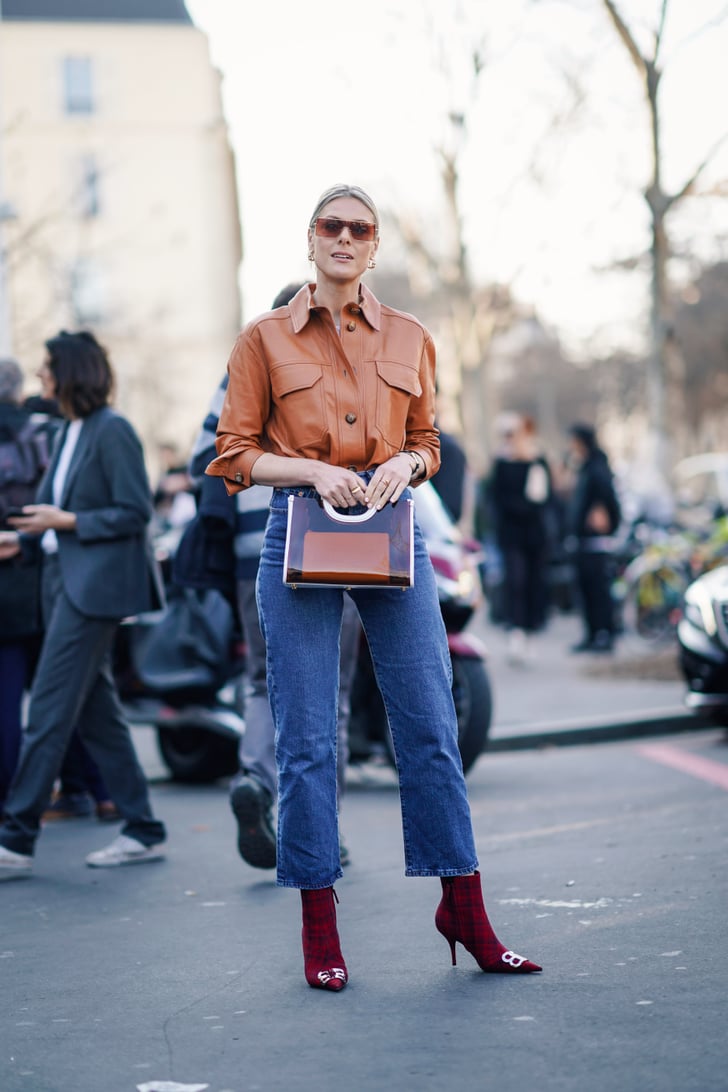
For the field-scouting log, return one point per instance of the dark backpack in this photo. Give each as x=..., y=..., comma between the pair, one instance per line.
x=23, y=460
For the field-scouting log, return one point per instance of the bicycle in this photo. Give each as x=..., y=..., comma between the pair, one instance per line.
x=653, y=584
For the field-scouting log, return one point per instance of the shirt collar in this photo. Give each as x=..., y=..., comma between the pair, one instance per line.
x=302, y=304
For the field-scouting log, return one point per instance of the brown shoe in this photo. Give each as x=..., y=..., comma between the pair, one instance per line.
x=68, y=806
x=107, y=812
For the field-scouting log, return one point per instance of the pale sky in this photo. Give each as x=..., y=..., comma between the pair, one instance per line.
x=326, y=91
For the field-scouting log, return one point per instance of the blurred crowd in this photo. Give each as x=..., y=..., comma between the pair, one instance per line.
x=548, y=532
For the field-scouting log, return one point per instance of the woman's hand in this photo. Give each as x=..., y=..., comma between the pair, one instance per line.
x=389, y=481
x=337, y=485
x=597, y=519
x=9, y=544
x=340, y=487
x=37, y=518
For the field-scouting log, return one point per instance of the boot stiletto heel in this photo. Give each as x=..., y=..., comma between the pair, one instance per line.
x=461, y=917
x=323, y=962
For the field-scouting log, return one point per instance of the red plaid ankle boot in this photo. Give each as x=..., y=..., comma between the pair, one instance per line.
x=322, y=959
x=461, y=917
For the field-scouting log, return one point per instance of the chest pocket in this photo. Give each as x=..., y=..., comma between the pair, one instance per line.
x=397, y=384
x=299, y=398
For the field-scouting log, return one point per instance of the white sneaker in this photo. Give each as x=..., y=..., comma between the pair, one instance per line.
x=124, y=850
x=14, y=865
x=517, y=646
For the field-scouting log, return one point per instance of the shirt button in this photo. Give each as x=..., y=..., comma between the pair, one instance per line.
x=351, y=326
x=350, y=418
x=239, y=478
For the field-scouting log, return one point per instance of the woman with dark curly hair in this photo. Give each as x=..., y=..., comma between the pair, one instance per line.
x=89, y=524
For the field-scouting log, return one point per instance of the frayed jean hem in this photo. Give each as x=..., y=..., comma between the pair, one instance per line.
x=441, y=871
x=310, y=886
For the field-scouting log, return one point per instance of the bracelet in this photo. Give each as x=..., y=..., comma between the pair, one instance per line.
x=416, y=470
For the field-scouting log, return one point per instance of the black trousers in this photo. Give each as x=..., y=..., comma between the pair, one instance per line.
x=74, y=686
x=525, y=593
x=80, y=774
x=594, y=575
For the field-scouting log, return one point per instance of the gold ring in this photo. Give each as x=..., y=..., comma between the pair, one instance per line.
x=386, y=482
x=355, y=489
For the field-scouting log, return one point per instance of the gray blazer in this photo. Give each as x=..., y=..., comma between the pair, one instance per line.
x=107, y=564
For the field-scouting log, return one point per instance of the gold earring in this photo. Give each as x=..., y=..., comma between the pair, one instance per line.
x=371, y=263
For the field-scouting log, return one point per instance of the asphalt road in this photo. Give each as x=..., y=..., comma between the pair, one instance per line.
x=605, y=863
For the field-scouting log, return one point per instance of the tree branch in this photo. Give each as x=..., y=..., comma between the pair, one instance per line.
x=694, y=177
x=626, y=35
x=717, y=21
x=660, y=29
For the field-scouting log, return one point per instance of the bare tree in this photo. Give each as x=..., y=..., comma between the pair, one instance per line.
x=660, y=203
x=701, y=329
x=467, y=314
x=470, y=310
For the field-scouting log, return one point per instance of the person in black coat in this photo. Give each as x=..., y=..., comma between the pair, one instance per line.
x=24, y=452
x=520, y=493
x=592, y=516
x=451, y=478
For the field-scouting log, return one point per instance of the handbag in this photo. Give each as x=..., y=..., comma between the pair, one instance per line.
x=324, y=548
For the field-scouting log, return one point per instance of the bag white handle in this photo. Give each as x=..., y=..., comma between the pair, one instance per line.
x=361, y=518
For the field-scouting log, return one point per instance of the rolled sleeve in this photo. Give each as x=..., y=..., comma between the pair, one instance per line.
x=244, y=412
x=422, y=436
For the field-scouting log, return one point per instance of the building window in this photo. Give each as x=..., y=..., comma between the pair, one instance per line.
x=88, y=197
x=78, y=89
x=87, y=292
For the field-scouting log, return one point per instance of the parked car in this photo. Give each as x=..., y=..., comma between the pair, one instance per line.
x=703, y=645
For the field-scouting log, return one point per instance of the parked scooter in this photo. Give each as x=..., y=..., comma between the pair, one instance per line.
x=459, y=588
x=182, y=670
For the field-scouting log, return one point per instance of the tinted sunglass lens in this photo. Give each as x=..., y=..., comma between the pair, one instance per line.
x=331, y=227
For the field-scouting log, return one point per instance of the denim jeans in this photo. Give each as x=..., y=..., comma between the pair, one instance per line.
x=408, y=643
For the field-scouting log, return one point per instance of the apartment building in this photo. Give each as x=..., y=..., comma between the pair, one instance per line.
x=118, y=202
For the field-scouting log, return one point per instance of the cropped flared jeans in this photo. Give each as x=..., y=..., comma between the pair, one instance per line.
x=411, y=660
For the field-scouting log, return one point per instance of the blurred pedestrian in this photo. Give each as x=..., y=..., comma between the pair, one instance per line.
x=592, y=517
x=24, y=454
x=254, y=790
x=452, y=477
x=89, y=523
x=81, y=789
x=333, y=397
x=174, y=504
x=520, y=495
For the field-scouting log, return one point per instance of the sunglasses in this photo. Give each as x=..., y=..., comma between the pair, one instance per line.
x=330, y=227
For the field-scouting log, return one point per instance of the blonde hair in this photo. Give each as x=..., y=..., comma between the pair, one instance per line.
x=342, y=189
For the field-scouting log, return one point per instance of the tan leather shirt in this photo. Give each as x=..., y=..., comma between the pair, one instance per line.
x=298, y=389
